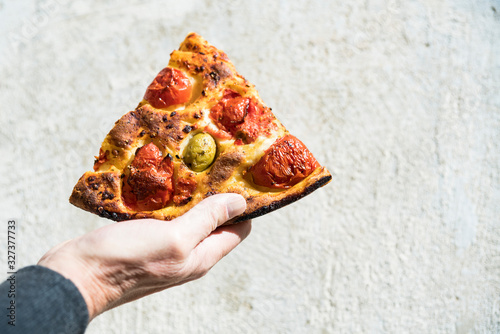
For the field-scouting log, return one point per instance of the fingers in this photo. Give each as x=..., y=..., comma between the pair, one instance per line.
x=218, y=244
x=206, y=216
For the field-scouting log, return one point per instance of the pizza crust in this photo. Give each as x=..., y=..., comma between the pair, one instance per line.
x=93, y=190
x=170, y=129
x=258, y=206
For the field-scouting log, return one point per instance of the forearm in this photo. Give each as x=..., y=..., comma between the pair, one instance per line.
x=44, y=301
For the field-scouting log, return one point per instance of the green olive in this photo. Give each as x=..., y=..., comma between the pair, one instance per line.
x=200, y=152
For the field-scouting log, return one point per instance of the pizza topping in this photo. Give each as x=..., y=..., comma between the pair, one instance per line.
x=149, y=185
x=171, y=86
x=107, y=195
x=234, y=111
x=184, y=187
x=102, y=158
x=217, y=132
x=200, y=152
x=215, y=77
x=284, y=164
x=187, y=129
x=258, y=122
x=230, y=111
x=242, y=117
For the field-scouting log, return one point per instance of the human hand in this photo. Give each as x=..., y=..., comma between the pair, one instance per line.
x=125, y=261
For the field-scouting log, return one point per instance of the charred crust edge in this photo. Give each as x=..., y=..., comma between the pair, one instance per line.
x=116, y=216
x=282, y=202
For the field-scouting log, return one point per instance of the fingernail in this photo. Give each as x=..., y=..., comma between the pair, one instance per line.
x=236, y=205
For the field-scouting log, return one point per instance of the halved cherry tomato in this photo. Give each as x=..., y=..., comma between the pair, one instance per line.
x=230, y=111
x=242, y=117
x=234, y=111
x=259, y=122
x=102, y=158
x=184, y=187
x=284, y=164
x=171, y=86
x=149, y=185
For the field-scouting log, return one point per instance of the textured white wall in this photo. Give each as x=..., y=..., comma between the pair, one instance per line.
x=400, y=99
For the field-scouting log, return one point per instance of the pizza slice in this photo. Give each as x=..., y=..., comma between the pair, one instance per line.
x=200, y=130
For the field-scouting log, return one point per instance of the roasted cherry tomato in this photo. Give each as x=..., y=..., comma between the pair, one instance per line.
x=184, y=187
x=102, y=158
x=171, y=86
x=231, y=112
x=149, y=185
x=259, y=122
x=284, y=164
x=241, y=117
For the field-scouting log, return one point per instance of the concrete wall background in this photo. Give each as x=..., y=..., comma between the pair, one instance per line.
x=400, y=99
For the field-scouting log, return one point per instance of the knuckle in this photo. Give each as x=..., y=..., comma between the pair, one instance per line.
x=218, y=213
x=177, y=245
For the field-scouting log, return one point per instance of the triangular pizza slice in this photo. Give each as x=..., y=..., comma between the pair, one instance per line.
x=200, y=130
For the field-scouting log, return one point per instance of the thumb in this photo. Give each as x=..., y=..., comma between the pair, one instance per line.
x=210, y=213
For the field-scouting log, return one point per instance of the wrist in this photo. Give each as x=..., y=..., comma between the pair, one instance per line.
x=70, y=265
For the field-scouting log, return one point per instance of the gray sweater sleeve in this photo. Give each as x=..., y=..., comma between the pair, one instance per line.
x=40, y=300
